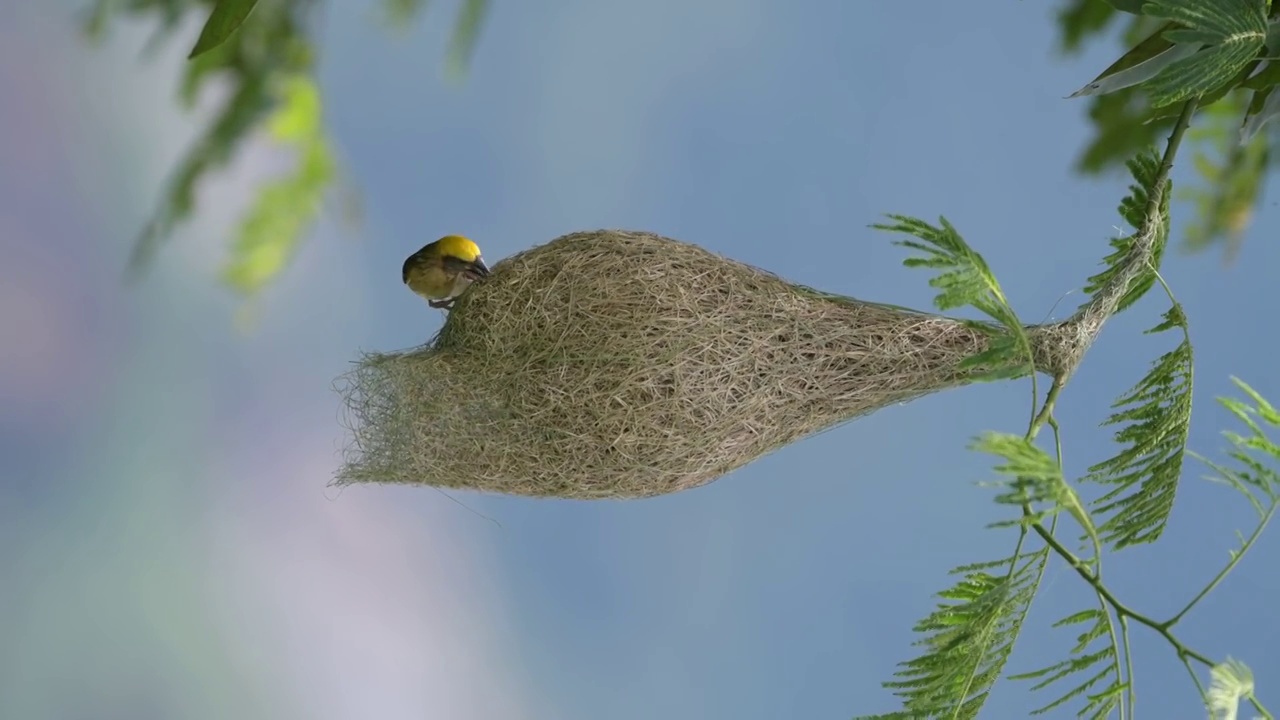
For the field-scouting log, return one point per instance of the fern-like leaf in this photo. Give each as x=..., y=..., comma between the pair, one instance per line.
x=1156, y=419
x=1033, y=480
x=1258, y=482
x=967, y=641
x=1145, y=169
x=1090, y=663
x=964, y=278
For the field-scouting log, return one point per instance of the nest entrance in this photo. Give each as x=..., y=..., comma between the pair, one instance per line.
x=617, y=364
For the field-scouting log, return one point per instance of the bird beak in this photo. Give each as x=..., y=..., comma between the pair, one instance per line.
x=481, y=269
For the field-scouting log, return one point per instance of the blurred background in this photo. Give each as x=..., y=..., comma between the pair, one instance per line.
x=169, y=547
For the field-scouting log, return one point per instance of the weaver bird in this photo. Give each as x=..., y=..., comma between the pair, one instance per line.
x=441, y=270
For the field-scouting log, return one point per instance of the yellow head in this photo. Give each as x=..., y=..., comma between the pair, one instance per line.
x=443, y=269
x=459, y=247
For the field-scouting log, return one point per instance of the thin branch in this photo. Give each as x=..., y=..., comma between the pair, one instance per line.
x=1128, y=664
x=1236, y=557
x=1090, y=318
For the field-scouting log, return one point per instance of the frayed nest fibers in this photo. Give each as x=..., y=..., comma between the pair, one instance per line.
x=618, y=364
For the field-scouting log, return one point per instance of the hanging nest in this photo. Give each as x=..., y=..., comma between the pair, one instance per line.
x=617, y=364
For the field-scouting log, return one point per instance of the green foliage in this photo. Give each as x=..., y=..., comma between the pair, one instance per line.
x=465, y=33
x=1227, y=71
x=1232, y=175
x=263, y=54
x=1123, y=125
x=256, y=63
x=1202, y=46
x=1145, y=61
x=1233, y=32
x=1129, y=6
x=1093, y=658
x=1155, y=416
x=1253, y=479
x=970, y=637
x=225, y=19
x=965, y=279
x=1032, y=481
x=403, y=12
x=1079, y=19
x=968, y=640
x=1136, y=208
x=271, y=230
x=1215, y=51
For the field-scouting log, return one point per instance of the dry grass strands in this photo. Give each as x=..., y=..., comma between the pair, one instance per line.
x=617, y=364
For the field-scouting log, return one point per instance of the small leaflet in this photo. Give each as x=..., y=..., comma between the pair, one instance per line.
x=1139, y=73
x=1253, y=123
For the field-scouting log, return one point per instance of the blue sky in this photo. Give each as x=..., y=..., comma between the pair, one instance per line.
x=164, y=516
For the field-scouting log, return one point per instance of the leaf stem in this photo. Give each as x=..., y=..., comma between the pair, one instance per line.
x=1082, y=569
x=1236, y=557
x=1161, y=183
x=1128, y=664
x=1045, y=416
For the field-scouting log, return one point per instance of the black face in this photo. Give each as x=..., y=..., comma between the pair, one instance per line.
x=475, y=269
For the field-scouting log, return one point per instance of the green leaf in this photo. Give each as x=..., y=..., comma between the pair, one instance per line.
x=1273, y=37
x=967, y=640
x=247, y=65
x=241, y=113
x=226, y=18
x=1032, y=479
x=1234, y=30
x=966, y=279
x=403, y=12
x=1256, y=480
x=1156, y=419
x=1129, y=6
x=1200, y=74
x=1143, y=62
x=298, y=118
x=1094, y=657
x=465, y=33
x=1261, y=408
x=1145, y=168
x=1216, y=20
x=1124, y=125
x=1230, y=174
x=1004, y=359
x=270, y=232
x=1198, y=51
x=1263, y=108
x=1265, y=77
x=1080, y=18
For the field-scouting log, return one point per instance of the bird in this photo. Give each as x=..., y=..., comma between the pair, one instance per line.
x=443, y=269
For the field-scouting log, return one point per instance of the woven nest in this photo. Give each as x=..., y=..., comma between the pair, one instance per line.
x=622, y=365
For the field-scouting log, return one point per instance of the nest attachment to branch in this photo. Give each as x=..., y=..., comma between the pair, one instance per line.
x=615, y=364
